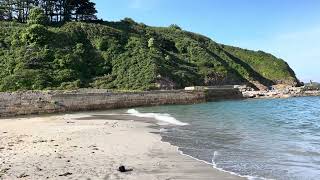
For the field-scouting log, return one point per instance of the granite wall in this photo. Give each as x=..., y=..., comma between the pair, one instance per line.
x=31, y=102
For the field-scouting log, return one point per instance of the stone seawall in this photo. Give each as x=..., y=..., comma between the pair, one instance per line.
x=30, y=102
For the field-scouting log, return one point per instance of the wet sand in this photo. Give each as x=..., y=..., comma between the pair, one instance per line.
x=87, y=146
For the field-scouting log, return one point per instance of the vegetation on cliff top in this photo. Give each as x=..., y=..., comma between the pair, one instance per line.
x=125, y=55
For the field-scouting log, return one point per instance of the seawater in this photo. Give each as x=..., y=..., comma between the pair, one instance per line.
x=264, y=138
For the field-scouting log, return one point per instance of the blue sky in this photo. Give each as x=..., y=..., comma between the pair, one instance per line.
x=289, y=29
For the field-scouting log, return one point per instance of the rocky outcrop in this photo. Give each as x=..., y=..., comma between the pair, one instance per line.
x=281, y=93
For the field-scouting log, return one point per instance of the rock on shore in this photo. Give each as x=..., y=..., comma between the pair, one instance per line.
x=281, y=93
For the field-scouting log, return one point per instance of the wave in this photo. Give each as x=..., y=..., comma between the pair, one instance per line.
x=213, y=164
x=166, y=118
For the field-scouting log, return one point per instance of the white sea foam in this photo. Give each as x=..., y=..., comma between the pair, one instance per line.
x=167, y=118
x=215, y=154
x=213, y=164
x=163, y=130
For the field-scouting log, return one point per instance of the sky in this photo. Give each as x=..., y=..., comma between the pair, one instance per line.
x=289, y=29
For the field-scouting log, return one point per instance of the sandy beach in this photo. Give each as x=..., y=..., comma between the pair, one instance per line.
x=85, y=146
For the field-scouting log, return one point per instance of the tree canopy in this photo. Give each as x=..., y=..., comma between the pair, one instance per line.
x=55, y=10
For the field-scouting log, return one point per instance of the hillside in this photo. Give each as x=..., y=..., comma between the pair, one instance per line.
x=127, y=55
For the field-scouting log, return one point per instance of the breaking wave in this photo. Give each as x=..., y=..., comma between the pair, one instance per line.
x=166, y=118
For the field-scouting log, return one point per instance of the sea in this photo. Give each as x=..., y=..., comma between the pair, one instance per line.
x=254, y=138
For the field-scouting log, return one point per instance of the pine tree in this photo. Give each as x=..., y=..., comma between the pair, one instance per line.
x=55, y=10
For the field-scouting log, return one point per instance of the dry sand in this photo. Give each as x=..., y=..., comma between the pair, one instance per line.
x=80, y=146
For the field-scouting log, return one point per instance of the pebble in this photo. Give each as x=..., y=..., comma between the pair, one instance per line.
x=66, y=174
x=23, y=175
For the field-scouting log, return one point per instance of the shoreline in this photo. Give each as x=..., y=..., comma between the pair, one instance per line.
x=50, y=102
x=220, y=169
x=91, y=145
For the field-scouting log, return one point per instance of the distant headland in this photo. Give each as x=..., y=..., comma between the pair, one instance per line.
x=42, y=53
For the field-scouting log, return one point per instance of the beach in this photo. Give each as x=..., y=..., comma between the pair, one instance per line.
x=92, y=146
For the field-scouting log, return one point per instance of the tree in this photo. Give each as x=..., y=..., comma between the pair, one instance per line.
x=175, y=26
x=82, y=10
x=55, y=10
x=2, y=11
x=2, y=16
x=6, y=7
x=37, y=16
x=87, y=11
x=15, y=9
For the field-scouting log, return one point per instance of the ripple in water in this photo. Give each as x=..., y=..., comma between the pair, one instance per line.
x=273, y=138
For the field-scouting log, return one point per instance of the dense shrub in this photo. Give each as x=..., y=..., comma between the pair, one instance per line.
x=124, y=55
x=36, y=34
x=25, y=80
x=37, y=16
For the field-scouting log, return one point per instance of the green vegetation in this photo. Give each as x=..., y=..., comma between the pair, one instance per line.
x=124, y=55
x=265, y=64
x=55, y=10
